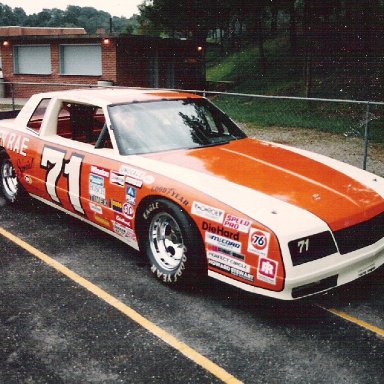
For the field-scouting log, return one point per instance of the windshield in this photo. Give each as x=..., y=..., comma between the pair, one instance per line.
x=170, y=124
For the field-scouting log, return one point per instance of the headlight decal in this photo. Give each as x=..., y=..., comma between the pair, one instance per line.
x=312, y=248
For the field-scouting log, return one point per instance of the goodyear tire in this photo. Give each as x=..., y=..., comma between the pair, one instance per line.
x=172, y=244
x=10, y=188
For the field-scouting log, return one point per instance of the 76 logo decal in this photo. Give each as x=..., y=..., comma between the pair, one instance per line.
x=53, y=160
x=258, y=242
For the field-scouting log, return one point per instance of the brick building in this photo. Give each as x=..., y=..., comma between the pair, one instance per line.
x=68, y=55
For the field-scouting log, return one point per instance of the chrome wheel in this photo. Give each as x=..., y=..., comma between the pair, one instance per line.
x=166, y=241
x=9, y=182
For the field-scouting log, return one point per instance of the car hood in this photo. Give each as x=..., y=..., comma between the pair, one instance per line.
x=282, y=174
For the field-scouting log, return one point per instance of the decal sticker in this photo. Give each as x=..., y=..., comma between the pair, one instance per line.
x=53, y=160
x=120, y=229
x=96, y=208
x=229, y=261
x=124, y=221
x=96, y=186
x=132, y=181
x=131, y=195
x=128, y=211
x=24, y=165
x=219, y=231
x=208, y=212
x=99, y=171
x=117, y=206
x=222, y=242
x=117, y=179
x=267, y=270
x=237, y=223
x=259, y=242
x=102, y=221
x=132, y=172
x=100, y=200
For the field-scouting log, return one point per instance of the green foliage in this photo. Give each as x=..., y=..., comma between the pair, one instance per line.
x=88, y=18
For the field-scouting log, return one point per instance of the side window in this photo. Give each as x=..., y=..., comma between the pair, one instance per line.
x=80, y=122
x=36, y=119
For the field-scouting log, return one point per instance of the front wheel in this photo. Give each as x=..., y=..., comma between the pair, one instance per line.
x=9, y=184
x=172, y=243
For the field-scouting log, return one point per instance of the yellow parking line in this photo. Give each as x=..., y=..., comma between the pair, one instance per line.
x=183, y=348
x=355, y=320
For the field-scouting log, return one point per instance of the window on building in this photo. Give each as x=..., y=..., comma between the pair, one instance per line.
x=80, y=60
x=32, y=59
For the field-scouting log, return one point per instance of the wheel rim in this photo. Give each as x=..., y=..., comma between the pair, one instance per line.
x=166, y=241
x=9, y=180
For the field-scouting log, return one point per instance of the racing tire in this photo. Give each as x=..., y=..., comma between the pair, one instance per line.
x=10, y=188
x=172, y=244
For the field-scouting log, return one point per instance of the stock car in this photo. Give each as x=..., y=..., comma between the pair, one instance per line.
x=172, y=176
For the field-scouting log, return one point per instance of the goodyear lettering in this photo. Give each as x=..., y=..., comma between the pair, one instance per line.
x=171, y=192
x=220, y=231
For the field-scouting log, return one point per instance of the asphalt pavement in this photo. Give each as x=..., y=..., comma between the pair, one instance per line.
x=54, y=328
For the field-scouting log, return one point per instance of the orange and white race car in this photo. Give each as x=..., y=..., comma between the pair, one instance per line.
x=171, y=175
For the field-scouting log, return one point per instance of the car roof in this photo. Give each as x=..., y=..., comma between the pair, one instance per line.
x=114, y=95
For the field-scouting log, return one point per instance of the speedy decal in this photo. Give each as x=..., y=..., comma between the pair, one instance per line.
x=258, y=242
x=14, y=143
x=96, y=186
x=220, y=231
x=208, y=212
x=237, y=223
x=228, y=261
x=267, y=270
x=222, y=242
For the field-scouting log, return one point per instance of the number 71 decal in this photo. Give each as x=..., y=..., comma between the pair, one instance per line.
x=53, y=160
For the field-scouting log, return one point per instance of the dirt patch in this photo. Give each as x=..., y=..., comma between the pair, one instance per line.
x=347, y=149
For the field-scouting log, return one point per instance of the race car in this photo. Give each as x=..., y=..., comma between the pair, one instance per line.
x=171, y=175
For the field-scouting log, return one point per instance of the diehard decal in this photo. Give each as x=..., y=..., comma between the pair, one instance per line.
x=208, y=212
x=220, y=231
x=258, y=242
x=267, y=270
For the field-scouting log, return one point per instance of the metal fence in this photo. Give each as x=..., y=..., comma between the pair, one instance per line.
x=350, y=130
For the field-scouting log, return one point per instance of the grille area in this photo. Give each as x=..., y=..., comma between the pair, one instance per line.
x=360, y=235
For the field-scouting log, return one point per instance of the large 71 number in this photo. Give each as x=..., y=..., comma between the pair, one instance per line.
x=54, y=161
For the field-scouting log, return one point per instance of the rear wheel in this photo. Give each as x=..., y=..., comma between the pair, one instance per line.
x=9, y=184
x=172, y=243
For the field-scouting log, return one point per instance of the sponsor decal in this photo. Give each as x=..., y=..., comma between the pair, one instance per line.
x=128, y=211
x=117, y=179
x=228, y=261
x=208, y=212
x=102, y=221
x=217, y=229
x=171, y=192
x=233, y=271
x=267, y=270
x=237, y=223
x=117, y=206
x=131, y=195
x=99, y=200
x=96, y=186
x=132, y=172
x=258, y=242
x=14, y=143
x=123, y=221
x=99, y=171
x=24, y=165
x=222, y=242
x=96, y=208
x=135, y=182
x=120, y=229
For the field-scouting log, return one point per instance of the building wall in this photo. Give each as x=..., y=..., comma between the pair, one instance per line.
x=55, y=78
